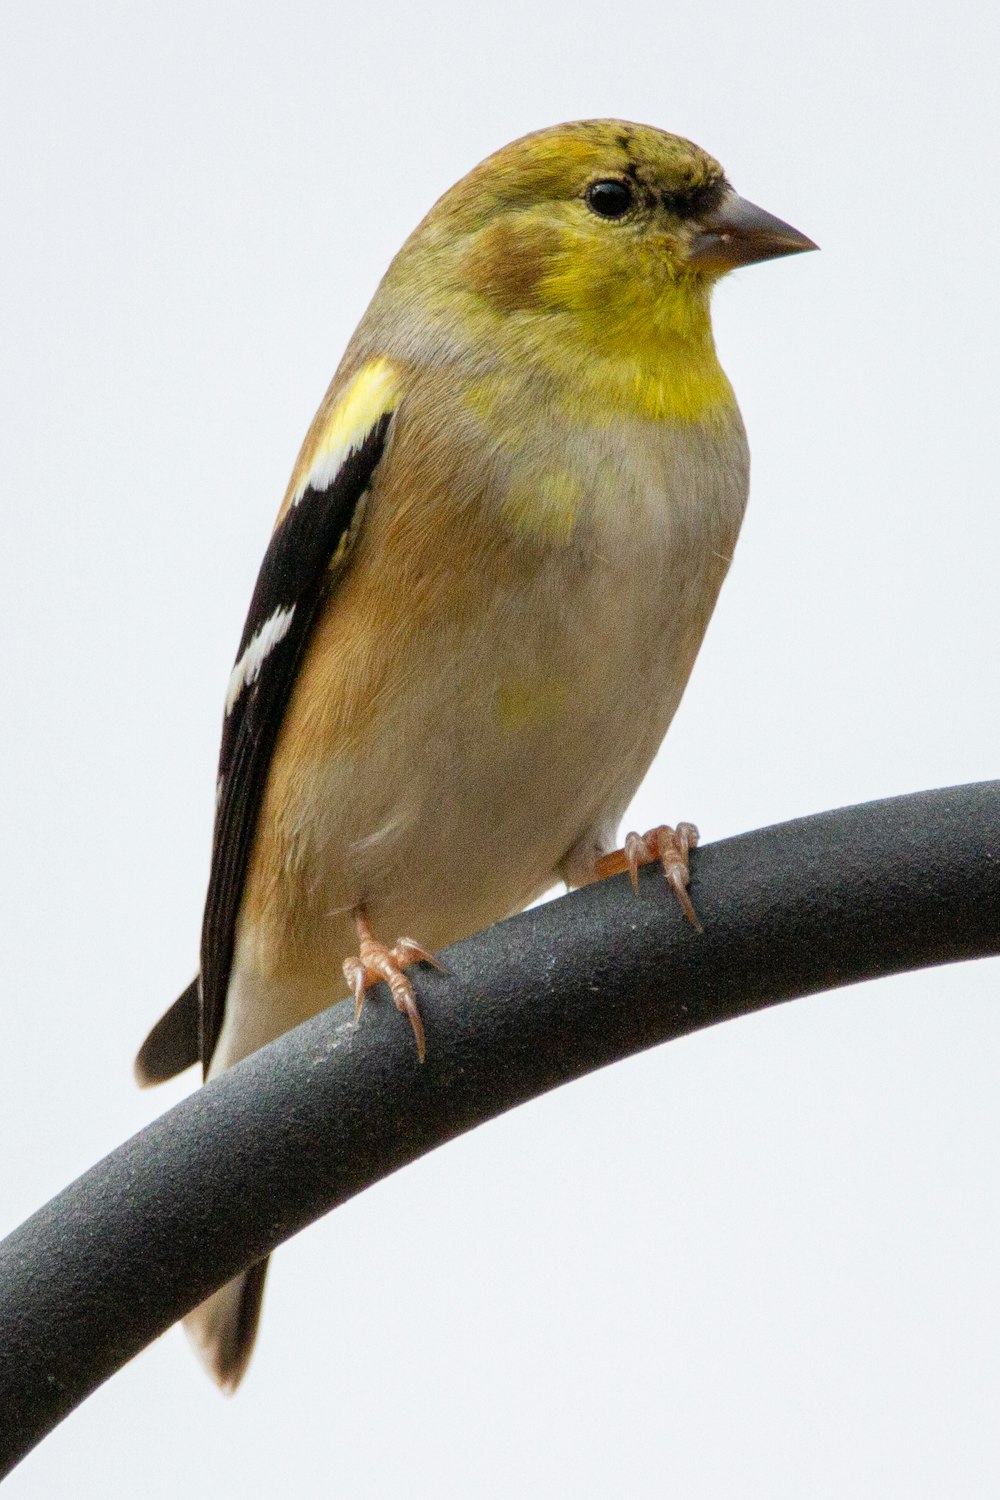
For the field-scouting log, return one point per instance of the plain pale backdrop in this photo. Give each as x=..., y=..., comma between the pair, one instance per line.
x=761, y=1262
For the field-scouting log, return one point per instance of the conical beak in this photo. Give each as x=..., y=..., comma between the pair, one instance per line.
x=738, y=233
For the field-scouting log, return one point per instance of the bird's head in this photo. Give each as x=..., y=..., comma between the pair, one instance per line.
x=598, y=236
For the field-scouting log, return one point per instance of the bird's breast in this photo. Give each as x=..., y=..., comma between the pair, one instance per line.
x=494, y=675
x=636, y=527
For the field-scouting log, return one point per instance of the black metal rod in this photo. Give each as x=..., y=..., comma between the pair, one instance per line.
x=536, y=1001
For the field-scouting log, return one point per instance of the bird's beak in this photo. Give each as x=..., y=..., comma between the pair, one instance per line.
x=738, y=233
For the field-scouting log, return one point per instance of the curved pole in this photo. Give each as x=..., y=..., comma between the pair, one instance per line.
x=531, y=1003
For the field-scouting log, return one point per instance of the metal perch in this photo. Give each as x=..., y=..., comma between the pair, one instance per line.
x=531, y=1003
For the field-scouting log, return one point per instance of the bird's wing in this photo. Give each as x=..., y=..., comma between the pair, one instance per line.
x=308, y=552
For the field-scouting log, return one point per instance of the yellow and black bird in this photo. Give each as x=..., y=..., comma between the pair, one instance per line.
x=488, y=581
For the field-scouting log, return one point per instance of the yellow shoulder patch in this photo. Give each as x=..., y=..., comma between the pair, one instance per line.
x=371, y=393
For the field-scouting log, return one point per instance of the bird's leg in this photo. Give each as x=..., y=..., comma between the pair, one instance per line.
x=375, y=961
x=671, y=846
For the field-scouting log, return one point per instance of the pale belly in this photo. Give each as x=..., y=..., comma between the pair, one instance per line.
x=528, y=738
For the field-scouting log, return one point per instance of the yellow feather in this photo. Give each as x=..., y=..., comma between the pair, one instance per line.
x=342, y=428
x=544, y=509
x=529, y=703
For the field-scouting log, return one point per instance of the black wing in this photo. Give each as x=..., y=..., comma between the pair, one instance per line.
x=294, y=579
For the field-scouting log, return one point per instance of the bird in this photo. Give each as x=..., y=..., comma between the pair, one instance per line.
x=483, y=596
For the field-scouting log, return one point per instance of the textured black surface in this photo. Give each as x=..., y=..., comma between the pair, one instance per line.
x=295, y=573
x=330, y=1108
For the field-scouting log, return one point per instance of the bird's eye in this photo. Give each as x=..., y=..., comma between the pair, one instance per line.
x=612, y=200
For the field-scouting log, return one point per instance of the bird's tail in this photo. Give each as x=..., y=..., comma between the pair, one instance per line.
x=223, y=1328
x=173, y=1044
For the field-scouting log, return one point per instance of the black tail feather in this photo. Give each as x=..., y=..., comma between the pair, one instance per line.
x=172, y=1045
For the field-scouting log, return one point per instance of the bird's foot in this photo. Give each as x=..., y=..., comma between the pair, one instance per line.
x=375, y=961
x=671, y=846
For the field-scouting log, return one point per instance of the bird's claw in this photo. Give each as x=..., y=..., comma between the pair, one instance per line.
x=671, y=846
x=375, y=961
x=406, y=951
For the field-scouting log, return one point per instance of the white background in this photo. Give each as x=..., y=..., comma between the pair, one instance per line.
x=759, y=1262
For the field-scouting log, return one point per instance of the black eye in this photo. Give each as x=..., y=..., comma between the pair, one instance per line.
x=612, y=200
